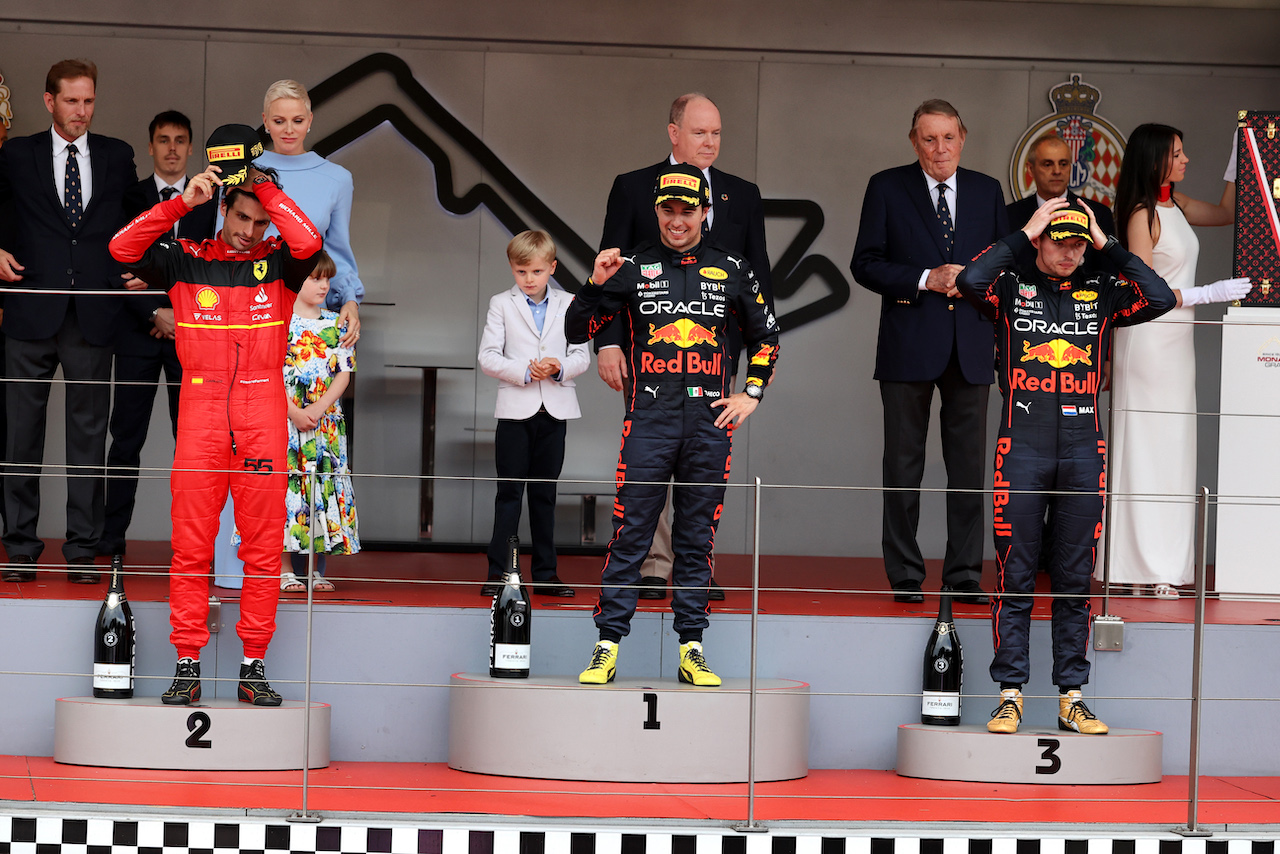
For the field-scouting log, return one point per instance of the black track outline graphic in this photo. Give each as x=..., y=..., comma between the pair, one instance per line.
x=790, y=272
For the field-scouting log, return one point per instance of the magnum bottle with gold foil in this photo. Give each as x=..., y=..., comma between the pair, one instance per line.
x=509, y=622
x=943, y=671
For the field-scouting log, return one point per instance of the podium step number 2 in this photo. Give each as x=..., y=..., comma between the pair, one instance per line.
x=216, y=735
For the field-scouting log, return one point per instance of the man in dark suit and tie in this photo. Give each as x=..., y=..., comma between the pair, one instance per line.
x=735, y=223
x=920, y=225
x=1050, y=161
x=67, y=189
x=144, y=343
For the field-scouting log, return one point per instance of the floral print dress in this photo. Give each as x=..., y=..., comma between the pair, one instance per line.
x=310, y=365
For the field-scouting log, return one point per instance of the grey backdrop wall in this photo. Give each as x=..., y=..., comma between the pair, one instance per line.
x=815, y=97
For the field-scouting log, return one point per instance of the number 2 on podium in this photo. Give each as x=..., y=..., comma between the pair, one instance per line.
x=198, y=725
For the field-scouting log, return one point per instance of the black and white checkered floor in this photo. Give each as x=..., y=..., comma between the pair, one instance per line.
x=45, y=834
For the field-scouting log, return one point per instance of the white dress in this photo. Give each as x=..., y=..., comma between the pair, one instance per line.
x=1151, y=467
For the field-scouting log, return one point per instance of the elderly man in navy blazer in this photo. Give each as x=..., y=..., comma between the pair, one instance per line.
x=66, y=188
x=920, y=225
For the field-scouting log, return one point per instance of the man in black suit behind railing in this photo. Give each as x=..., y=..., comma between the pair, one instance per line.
x=66, y=189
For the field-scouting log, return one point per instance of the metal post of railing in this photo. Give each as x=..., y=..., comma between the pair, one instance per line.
x=1106, y=510
x=305, y=815
x=1197, y=668
x=750, y=825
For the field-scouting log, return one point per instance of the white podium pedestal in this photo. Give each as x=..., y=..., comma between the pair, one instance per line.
x=1249, y=455
x=629, y=731
x=1031, y=755
x=214, y=735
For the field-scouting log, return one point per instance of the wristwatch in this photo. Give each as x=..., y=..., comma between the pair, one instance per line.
x=755, y=392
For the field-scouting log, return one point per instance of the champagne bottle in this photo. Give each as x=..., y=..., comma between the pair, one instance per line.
x=943, y=671
x=114, y=645
x=509, y=622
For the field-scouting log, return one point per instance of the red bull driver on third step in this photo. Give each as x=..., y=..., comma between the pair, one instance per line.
x=1053, y=335
x=675, y=300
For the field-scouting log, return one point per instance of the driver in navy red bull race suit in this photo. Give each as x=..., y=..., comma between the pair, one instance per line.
x=675, y=301
x=1053, y=327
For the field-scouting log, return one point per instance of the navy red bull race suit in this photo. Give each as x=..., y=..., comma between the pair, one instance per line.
x=1052, y=338
x=675, y=308
x=232, y=311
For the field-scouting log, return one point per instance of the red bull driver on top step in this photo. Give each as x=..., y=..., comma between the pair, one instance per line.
x=674, y=300
x=1053, y=335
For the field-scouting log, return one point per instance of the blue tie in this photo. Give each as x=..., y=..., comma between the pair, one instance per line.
x=71, y=196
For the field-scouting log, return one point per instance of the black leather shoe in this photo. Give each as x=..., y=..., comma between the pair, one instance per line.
x=908, y=594
x=967, y=593
x=653, y=587
x=553, y=586
x=491, y=588
x=83, y=576
x=716, y=593
x=15, y=570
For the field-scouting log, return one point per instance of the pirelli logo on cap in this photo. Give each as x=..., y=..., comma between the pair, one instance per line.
x=225, y=152
x=1069, y=223
x=675, y=179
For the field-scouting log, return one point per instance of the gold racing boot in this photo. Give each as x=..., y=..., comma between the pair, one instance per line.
x=1074, y=715
x=1008, y=714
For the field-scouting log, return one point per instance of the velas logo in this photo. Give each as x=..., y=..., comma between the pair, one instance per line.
x=683, y=333
x=1085, y=296
x=651, y=271
x=225, y=152
x=677, y=179
x=714, y=273
x=259, y=273
x=207, y=298
x=1058, y=353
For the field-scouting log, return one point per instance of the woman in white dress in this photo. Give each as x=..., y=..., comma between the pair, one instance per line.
x=1152, y=465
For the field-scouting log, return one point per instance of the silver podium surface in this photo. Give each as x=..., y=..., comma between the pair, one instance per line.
x=629, y=731
x=213, y=735
x=1031, y=755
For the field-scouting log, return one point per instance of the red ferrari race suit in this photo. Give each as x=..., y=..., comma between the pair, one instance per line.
x=232, y=311
x=1052, y=338
x=675, y=307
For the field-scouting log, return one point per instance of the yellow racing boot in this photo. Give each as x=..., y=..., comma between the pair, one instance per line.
x=603, y=666
x=693, y=667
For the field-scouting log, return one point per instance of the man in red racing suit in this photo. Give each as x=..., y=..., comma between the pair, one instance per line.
x=232, y=297
x=674, y=301
x=1053, y=335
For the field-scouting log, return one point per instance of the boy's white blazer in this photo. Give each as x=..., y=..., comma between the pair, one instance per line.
x=511, y=340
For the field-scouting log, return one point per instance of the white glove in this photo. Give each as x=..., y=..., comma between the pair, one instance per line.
x=1223, y=290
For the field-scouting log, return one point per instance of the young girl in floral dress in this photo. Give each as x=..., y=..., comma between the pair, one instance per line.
x=316, y=373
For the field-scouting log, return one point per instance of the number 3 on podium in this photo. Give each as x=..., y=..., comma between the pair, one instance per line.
x=1050, y=754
